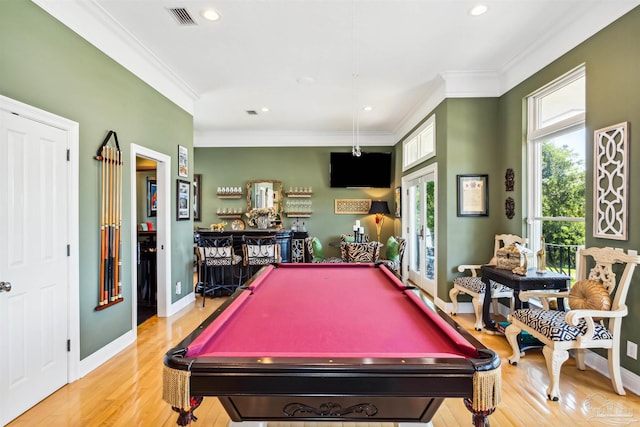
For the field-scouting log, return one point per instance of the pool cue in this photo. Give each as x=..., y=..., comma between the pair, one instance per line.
x=103, y=236
x=110, y=228
x=118, y=219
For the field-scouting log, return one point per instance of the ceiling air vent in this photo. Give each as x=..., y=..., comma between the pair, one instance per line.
x=182, y=15
x=252, y=112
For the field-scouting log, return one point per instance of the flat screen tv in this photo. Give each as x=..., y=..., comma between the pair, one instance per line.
x=371, y=169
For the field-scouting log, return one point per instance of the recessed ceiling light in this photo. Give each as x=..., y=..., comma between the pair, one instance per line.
x=264, y=109
x=210, y=14
x=478, y=10
x=367, y=108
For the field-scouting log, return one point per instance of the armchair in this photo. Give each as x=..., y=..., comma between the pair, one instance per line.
x=582, y=326
x=474, y=286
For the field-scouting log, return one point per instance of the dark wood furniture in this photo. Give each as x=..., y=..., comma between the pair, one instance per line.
x=291, y=242
x=331, y=342
x=532, y=281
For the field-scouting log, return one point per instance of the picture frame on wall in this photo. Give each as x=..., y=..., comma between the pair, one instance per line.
x=473, y=195
x=183, y=205
x=197, y=196
x=152, y=197
x=397, y=197
x=183, y=161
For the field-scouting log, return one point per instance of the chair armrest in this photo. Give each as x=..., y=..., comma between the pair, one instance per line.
x=474, y=268
x=573, y=317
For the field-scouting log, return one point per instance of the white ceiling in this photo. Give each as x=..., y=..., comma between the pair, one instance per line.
x=408, y=56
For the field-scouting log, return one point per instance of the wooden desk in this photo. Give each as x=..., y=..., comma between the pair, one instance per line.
x=532, y=281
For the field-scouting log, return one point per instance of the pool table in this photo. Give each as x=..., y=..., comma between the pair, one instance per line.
x=330, y=342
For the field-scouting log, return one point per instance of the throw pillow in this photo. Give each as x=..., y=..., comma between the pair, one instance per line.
x=589, y=295
x=318, y=253
x=393, y=249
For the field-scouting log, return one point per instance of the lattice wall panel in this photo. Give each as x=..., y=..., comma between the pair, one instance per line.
x=610, y=184
x=352, y=206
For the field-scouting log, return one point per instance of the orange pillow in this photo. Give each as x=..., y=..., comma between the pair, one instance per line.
x=589, y=295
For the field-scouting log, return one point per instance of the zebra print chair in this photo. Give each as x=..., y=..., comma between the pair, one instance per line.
x=594, y=320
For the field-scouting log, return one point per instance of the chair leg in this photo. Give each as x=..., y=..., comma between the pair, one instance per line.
x=453, y=295
x=554, y=359
x=477, y=309
x=614, y=370
x=512, y=333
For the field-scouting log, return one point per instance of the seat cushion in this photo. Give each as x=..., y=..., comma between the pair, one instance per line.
x=476, y=285
x=552, y=325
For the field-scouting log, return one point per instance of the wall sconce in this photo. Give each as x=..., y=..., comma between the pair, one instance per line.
x=380, y=209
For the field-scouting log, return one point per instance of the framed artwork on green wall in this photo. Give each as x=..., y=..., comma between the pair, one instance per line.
x=473, y=195
x=152, y=197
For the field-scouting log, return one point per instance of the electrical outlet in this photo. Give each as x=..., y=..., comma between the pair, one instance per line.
x=178, y=288
x=632, y=350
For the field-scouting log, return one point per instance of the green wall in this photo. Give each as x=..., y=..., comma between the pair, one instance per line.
x=295, y=167
x=612, y=60
x=46, y=65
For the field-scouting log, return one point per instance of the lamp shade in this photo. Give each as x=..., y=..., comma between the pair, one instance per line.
x=379, y=207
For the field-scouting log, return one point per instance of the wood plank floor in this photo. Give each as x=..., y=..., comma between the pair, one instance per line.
x=126, y=391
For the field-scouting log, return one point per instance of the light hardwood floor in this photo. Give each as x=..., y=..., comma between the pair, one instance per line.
x=126, y=391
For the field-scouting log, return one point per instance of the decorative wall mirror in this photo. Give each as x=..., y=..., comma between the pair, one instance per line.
x=264, y=195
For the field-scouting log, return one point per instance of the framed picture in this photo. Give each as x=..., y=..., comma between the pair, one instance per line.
x=473, y=195
x=197, y=196
x=152, y=197
x=183, y=161
x=398, y=201
x=182, y=200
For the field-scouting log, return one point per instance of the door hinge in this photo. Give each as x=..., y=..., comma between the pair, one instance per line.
x=68, y=250
x=68, y=154
x=68, y=345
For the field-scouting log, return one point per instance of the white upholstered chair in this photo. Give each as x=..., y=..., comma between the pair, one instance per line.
x=474, y=286
x=596, y=308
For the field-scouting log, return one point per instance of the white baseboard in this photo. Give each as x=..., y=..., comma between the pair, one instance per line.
x=96, y=359
x=181, y=303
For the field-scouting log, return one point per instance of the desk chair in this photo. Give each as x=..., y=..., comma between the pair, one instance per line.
x=259, y=251
x=216, y=255
x=475, y=287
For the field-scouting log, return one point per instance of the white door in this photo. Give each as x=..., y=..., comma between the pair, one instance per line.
x=33, y=259
x=420, y=207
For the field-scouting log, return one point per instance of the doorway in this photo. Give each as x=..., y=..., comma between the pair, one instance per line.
x=162, y=229
x=146, y=266
x=421, y=218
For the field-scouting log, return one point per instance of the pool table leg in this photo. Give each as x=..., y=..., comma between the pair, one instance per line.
x=479, y=418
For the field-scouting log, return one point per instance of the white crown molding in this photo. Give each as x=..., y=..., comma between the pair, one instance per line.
x=291, y=139
x=94, y=24
x=554, y=45
x=468, y=84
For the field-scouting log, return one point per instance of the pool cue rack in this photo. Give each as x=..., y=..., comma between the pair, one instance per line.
x=110, y=284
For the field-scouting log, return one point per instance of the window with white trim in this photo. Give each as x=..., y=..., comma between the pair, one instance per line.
x=421, y=145
x=556, y=169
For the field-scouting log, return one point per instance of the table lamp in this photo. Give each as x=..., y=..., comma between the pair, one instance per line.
x=379, y=208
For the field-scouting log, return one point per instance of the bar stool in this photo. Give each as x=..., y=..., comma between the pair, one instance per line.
x=217, y=254
x=259, y=251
